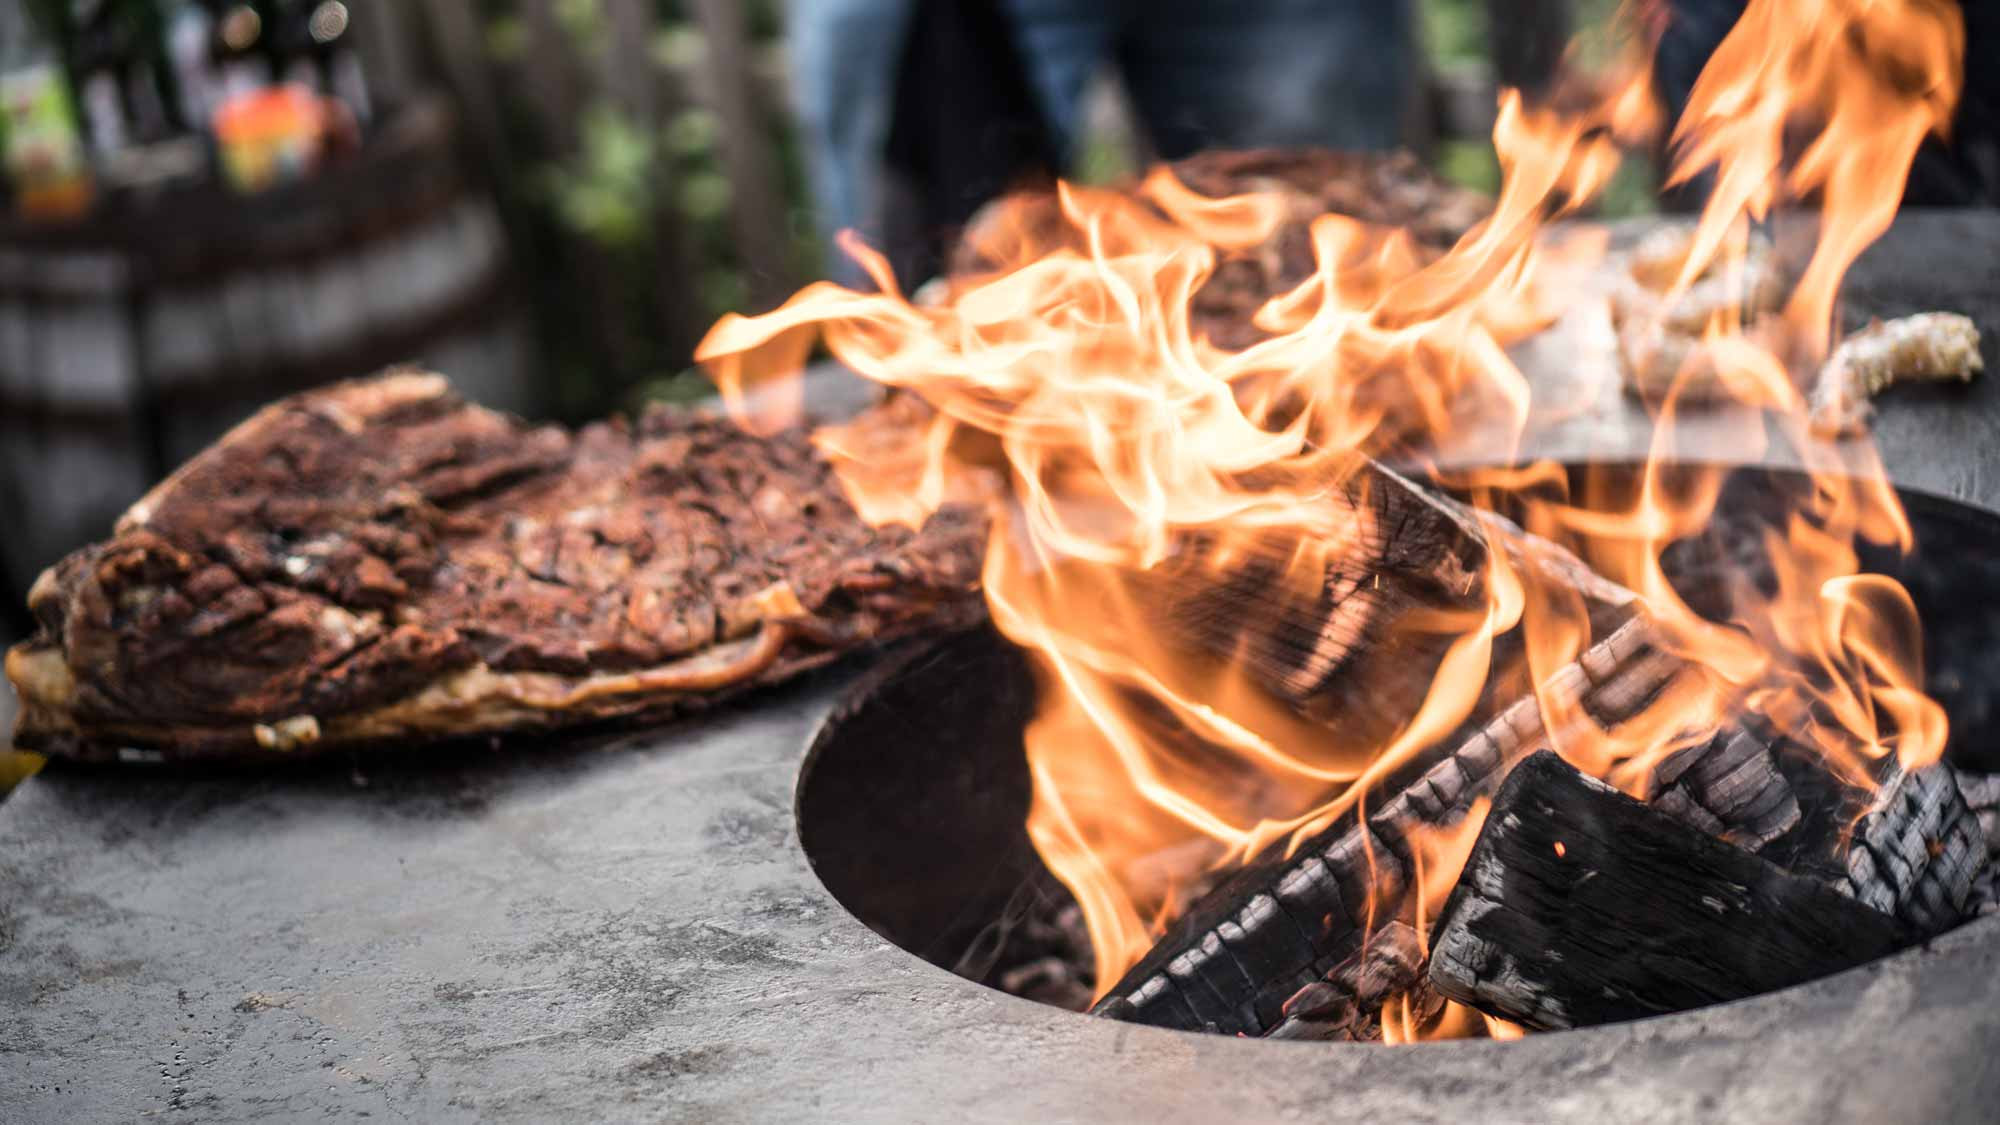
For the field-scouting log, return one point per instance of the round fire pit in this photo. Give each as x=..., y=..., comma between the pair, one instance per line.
x=914, y=796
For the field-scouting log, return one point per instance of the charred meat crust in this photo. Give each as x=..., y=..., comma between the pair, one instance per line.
x=381, y=559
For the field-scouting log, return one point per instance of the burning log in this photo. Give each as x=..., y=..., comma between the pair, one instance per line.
x=1918, y=851
x=1286, y=922
x=1981, y=792
x=1255, y=954
x=1317, y=645
x=1582, y=906
x=1410, y=548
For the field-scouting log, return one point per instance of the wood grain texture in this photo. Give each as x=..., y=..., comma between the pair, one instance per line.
x=1582, y=906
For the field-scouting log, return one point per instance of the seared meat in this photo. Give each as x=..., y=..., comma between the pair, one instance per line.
x=380, y=560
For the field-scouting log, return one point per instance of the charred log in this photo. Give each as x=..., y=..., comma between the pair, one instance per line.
x=1918, y=851
x=1340, y=645
x=1288, y=921
x=1582, y=906
x=1981, y=792
x=1406, y=548
x=1729, y=786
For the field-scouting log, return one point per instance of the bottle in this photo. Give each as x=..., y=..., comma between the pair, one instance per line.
x=41, y=148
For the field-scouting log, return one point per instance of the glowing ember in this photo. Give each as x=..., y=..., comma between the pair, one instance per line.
x=1126, y=461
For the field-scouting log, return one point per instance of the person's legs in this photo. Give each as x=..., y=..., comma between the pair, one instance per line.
x=1248, y=73
x=845, y=56
x=1062, y=43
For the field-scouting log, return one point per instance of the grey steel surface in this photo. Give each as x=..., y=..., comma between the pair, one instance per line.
x=628, y=930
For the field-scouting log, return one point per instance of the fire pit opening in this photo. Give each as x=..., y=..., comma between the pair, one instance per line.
x=913, y=802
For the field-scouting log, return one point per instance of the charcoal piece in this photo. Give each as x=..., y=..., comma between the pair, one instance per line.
x=1581, y=906
x=1348, y=1003
x=1635, y=683
x=1918, y=850
x=1369, y=871
x=1985, y=895
x=1156, y=1001
x=1981, y=792
x=381, y=562
x=1982, y=795
x=1213, y=1010
x=1310, y=898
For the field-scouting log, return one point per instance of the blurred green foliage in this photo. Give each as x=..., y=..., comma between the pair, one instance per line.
x=605, y=192
x=1454, y=31
x=625, y=224
x=1454, y=35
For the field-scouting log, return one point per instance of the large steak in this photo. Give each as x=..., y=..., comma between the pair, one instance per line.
x=380, y=561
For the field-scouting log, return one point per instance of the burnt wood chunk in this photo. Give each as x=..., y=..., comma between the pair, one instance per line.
x=1347, y=1004
x=1982, y=795
x=1582, y=906
x=1728, y=786
x=1918, y=850
x=1981, y=792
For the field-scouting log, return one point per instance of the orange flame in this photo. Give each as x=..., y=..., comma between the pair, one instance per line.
x=1130, y=464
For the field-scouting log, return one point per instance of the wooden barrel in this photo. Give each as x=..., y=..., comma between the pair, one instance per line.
x=132, y=339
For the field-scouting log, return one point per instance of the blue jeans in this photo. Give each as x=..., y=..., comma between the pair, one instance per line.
x=1228, y=73
x=1201, y=74
x=844, y=57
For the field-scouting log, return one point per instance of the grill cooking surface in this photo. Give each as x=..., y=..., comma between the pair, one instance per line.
x=631, y=930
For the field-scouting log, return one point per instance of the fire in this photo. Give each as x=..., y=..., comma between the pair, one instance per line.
x=1132, y=468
